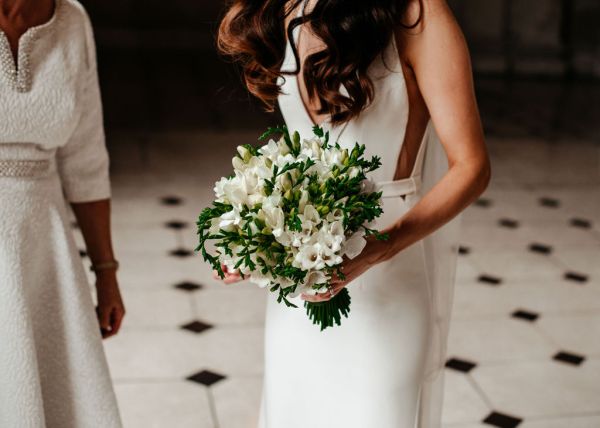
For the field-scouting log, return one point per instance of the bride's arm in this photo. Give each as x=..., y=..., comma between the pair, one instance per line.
x=439, y=58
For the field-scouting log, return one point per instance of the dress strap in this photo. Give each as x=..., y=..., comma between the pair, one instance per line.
x=399, y=188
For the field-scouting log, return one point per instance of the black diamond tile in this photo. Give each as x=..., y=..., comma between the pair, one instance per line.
x=196, y=326
x=483, y=202
x=181, y=252
x=569, y=358
x=489, y=279
x=171, y=200
x=581, y=223
x=540, y=248
x=176, y=224
x=502, y=420
x=188, y=286
x=83, y=253
x=576, y=277
x=463, y=250
x=460, y=365
x=549, y=202
x=206, y=377
x=508, y=223
x=525, y=315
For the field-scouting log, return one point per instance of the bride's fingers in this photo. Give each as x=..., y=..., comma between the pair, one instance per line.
x=231, y=278
x=315, y=298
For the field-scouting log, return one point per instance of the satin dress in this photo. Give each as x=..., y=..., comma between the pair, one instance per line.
x=383, y=367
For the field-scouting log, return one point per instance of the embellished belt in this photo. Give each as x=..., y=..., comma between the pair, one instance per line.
x=24, y=168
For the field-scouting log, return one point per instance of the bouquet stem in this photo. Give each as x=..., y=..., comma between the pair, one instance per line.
x=325, y=313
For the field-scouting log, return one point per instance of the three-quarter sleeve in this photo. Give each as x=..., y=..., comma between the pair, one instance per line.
x=83, y=161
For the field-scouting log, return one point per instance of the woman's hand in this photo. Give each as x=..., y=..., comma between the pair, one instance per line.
x=374, y=252
x=230, y=277
x=110, y=310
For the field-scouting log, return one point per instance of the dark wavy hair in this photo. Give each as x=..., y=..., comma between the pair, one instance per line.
x=354, y=33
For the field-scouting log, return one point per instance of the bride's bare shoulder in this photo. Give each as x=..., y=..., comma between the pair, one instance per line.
x=426, y=22
x=420, y=13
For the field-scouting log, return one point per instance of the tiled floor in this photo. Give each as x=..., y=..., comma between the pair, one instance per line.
x=525, y=340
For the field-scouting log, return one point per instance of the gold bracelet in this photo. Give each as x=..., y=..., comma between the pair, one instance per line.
x=111, y=265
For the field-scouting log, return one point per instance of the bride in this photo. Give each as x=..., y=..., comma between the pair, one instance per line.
x=394, y=75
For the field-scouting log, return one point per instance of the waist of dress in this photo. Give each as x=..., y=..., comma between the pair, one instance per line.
x=21, y=168
x=26, y=160
x=399, y=188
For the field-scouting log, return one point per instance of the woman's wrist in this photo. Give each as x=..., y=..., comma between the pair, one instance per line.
x=381, y=250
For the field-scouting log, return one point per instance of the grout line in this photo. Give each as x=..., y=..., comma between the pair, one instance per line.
x=480, y=391
x=213, y=409
x=540, y=330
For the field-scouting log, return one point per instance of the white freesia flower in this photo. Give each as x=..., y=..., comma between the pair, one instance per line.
x=334, y=156
x=261, y=280
x=219, y=188
x=309, y=257
x=274, y=216
x=354, y=245
x=312, y=278
x=335, y=215
x=230, y=218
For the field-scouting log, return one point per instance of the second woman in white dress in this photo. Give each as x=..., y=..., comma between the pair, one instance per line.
x=395, y=76
x=53, y=373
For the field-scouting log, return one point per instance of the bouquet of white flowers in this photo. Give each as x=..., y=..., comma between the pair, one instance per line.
x=289, y=214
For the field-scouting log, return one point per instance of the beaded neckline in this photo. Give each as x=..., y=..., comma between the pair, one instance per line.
x=17, y=74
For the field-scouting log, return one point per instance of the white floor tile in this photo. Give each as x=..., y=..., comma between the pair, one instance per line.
x=164, y=404
x=477, y=300
x=151, y=308
x=137, y=354
x=237, y=402
x=501, y=339
x=567, y=422
x=578, y=333
x=462, y=403
x=521, y=264
x=542, y=388
x=242, y=304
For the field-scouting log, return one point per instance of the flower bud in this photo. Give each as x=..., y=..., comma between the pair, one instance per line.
x=244, y=153
x=238, y=163
x=283, y=147
x=323, y=210
x=286, y=181
x=344, y=156
x=316, y=148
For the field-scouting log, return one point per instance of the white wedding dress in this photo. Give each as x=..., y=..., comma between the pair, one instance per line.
x=53, y=373
x=383, y=367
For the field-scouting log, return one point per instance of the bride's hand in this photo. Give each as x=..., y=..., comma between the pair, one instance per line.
x=230, y=277
x=352, y=269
